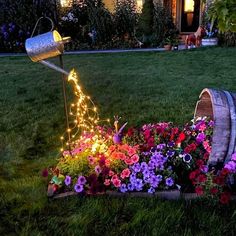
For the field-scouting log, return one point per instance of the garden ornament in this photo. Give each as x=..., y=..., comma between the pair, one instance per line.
x=45, y=46
x=117, y=138
x=195, y=39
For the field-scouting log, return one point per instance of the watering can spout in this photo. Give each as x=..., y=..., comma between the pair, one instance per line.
x=54, y=67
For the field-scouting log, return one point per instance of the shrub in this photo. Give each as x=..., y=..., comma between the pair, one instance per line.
x=125, y=18
x=100, y=21
x=17, y=19
x=146, y=21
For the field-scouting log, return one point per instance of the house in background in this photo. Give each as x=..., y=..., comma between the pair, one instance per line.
x=186, y=13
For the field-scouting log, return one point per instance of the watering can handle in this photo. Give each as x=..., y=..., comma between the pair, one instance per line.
x=38, y=22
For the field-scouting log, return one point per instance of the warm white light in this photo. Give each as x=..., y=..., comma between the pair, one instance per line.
x=65, y=3
x=139, y=4
x=189, y=5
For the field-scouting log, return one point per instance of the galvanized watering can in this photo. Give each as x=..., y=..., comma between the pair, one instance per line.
x=46, y=45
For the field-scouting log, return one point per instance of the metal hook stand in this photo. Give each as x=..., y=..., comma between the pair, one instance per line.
x=48, y=45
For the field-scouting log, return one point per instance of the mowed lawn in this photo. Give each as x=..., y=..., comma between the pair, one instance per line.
x=141, y=88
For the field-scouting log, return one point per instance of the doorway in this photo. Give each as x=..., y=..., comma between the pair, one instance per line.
x=190, y=15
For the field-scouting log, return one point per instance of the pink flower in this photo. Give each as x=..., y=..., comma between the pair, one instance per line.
x=116, y=183
x=107, y=182
x=114, y=177
x=111, y=173
x=202, y=127
x=125, y=173
x=135, y=158
x=128, y=161
x=91, y=160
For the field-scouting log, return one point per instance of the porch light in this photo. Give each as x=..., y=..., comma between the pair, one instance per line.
x=189, y=9
x=189, y=6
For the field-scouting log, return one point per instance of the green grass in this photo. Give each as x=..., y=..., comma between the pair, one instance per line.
x=140, y=87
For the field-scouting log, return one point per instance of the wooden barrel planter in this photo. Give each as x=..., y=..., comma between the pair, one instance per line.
x=221, y=107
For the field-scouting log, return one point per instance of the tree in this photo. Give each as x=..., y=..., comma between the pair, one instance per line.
x=146, y=18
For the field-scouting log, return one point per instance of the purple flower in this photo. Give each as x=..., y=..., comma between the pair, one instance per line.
x=231, y=166
x=151, y=190
x=159, y=178
x=136, y=167
x=200, y=137
x=161, y=146
x=81, y=180
x=233, y=158
x=169, y=182
x=211, y=123
x=98, y=169
x=139, y=185
x=144, y=166
x=146, y=173
x=171, y=144
x=78, y=188
x=187, y=158
x=204, y=168
x=45, y=173
x=151, y=165
x=123, y=188
x=67, y=180
x=170, y=153
x=130, y=187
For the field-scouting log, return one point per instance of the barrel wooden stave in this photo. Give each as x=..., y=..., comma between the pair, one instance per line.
x=214, y=104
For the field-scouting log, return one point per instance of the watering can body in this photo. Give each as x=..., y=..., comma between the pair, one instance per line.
x=44, y=46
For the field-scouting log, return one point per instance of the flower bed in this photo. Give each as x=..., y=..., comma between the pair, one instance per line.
x=151, y=159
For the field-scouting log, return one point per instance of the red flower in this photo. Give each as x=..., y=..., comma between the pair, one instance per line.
x=219, y=180
x=151, y=142
x=225, y=197
x=187, y=149
x=206, y=156
x=200, y=163
x=224, y=172
x=130, y=132
x=181, y=138
x=202, y=178
x=193, y=146
x=199, y=190
x=214, y=190
x=192, y=175
x=147, y=133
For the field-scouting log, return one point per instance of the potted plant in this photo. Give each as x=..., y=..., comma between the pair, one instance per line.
x=210, y=38
x=168, y=43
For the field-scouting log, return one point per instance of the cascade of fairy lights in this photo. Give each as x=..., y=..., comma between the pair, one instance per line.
x=83, y=111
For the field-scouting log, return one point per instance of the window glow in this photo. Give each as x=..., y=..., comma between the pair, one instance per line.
x=189, y=5
x=65, y=3
x=139, y=4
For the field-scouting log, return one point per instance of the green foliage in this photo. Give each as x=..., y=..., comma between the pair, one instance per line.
x=165, y=30
x=100, y=20
x=224, y=11
x=146, y=18
x=125, y=18
x=74, y=166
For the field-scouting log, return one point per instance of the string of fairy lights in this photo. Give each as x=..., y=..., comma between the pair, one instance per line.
x=83, y=112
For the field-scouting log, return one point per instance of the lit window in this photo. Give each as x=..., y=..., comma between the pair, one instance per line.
x=65, y=3
x=139, y=5
x=189, y=6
